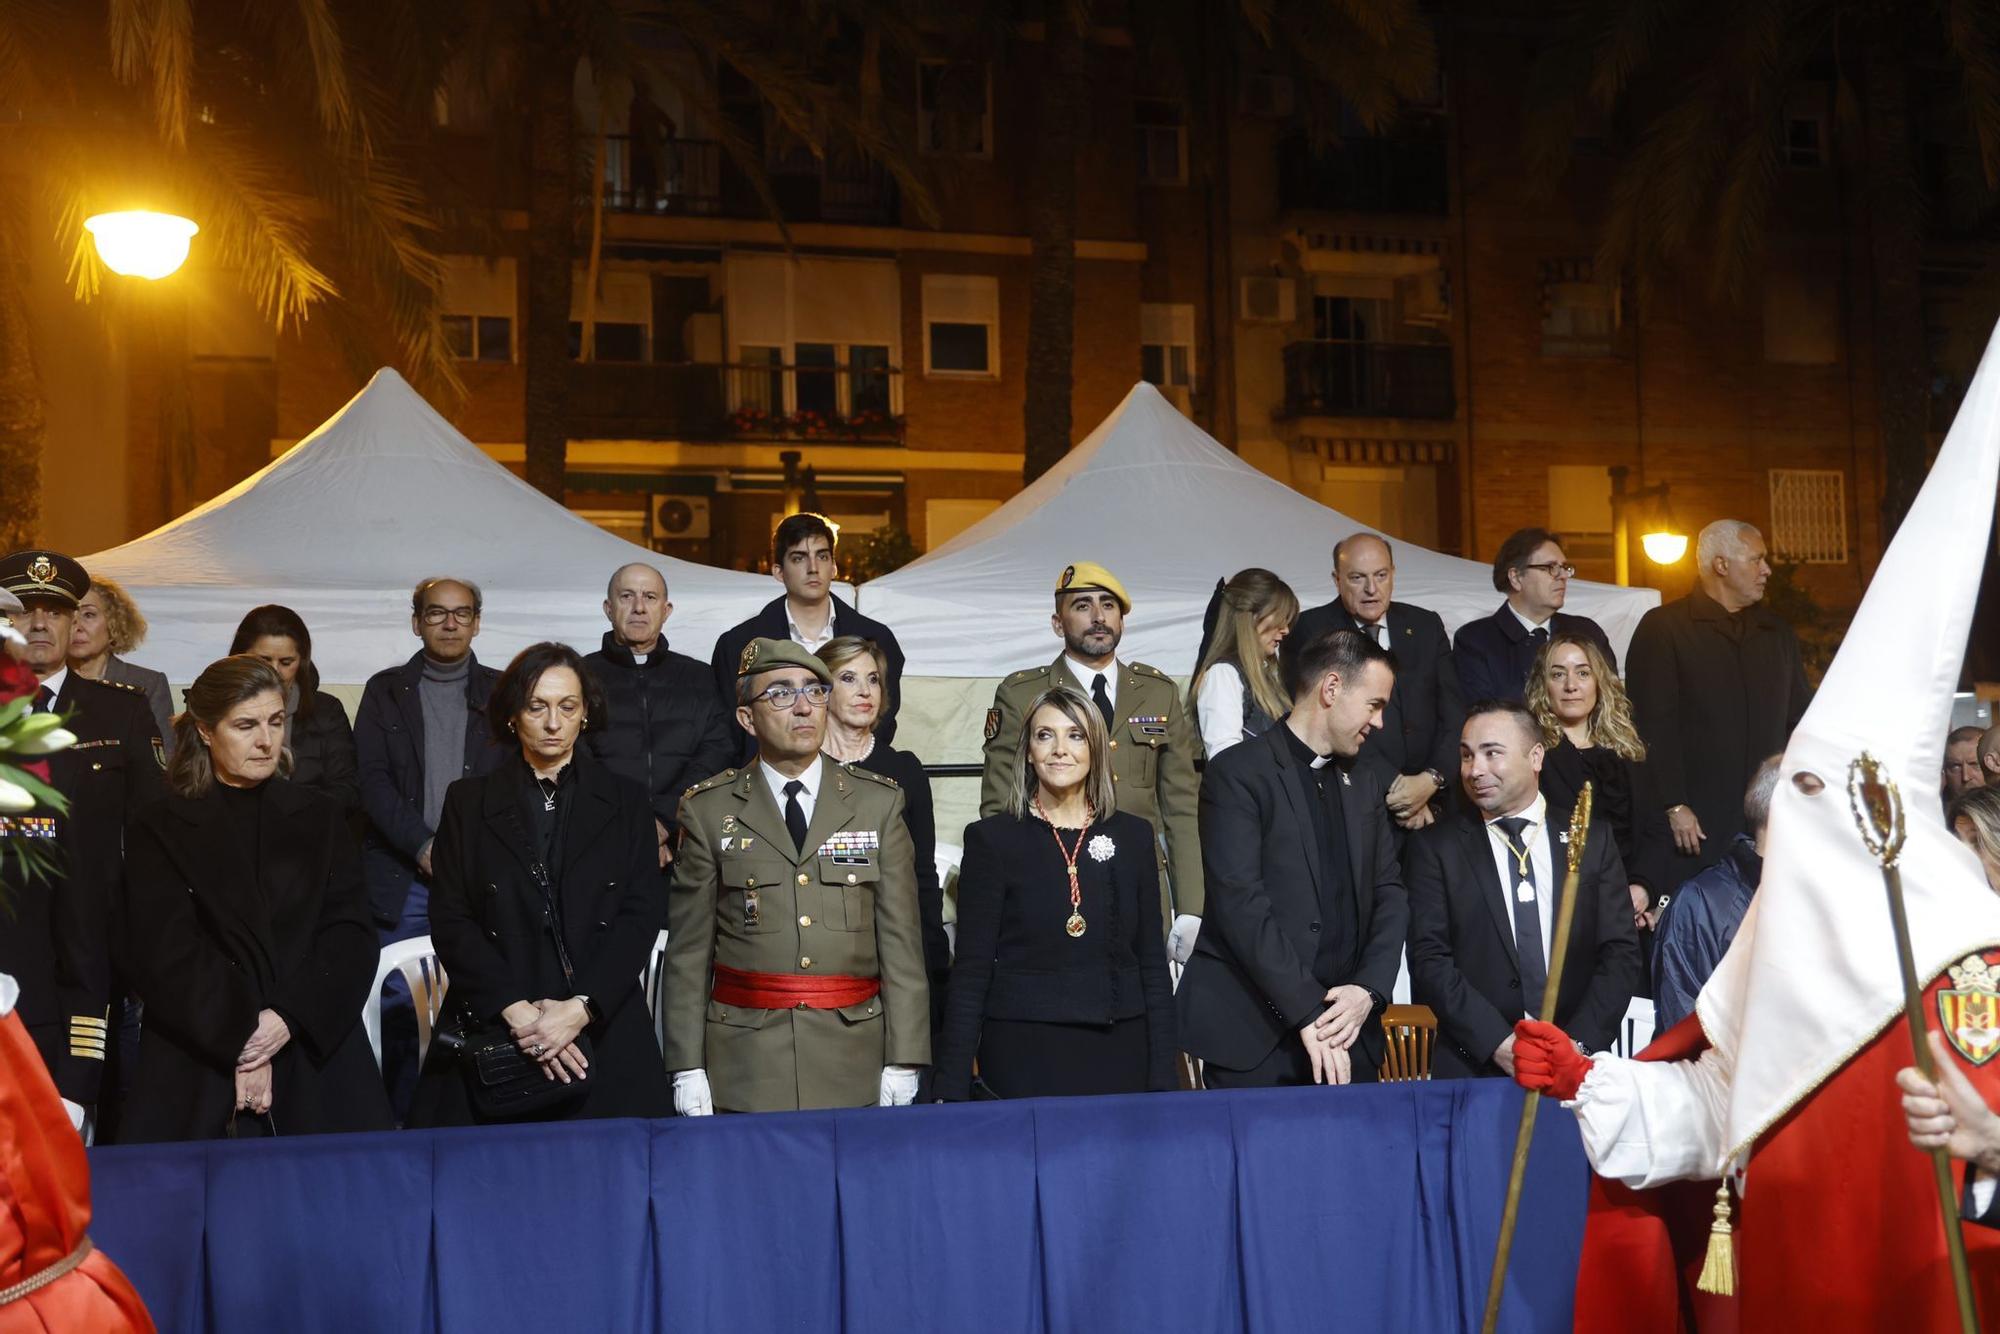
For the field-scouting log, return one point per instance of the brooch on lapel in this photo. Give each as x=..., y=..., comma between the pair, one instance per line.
x=1562, y=837
x=1102, y=849
x=1345, y=780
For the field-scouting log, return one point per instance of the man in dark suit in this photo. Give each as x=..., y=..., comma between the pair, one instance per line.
x=1495, y=653
x=1417, y=744
x=58, y=939
x=1305, y=909
x=808, y=613
x=1485, y=888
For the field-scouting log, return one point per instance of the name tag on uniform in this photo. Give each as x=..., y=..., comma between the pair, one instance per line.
x=1149, y=724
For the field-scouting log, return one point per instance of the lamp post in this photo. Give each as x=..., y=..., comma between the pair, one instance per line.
x=1662, y=541
x=140, y=243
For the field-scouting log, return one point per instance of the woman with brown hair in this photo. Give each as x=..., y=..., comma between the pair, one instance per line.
x=1060, y=985
x=249, y=936
x=1237, y=691
x=108, y=624
x=316, y=728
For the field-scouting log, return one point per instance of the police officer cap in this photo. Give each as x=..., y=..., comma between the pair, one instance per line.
x=1088, y=574
x=44, y=574
x=768, y=655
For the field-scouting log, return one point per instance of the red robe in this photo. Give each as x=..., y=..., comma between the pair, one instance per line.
x=1840, y=1231
x=45, y=1207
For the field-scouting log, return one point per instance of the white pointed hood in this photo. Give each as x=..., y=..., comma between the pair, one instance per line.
x=1812, y=977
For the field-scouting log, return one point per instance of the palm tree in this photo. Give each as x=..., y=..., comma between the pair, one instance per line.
x=1705, y=87
x=816, y=65
x=253, y=119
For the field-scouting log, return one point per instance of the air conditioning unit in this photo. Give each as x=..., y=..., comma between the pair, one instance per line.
x=1268, y=95
x=1270, y=300
x=1425, y=299
x=678, y=518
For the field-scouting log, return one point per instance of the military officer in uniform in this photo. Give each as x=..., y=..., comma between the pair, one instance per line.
x=58, y=943
x=1153, y=744
x=794, y=973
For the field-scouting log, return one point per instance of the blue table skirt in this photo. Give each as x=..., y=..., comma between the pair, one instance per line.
x=1365, y=1209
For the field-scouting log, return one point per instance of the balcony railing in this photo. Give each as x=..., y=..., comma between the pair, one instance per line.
x=1365, y=175
x=762, y=401
x=1332, y=378
x=694, y=177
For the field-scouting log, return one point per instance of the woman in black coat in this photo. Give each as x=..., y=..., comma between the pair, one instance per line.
x=1060, y=985
x=549, y=827
x=316, y=728
x=859, y=669
x=247, y=935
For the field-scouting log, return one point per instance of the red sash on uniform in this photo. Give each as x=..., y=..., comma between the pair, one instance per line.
x=787, y=991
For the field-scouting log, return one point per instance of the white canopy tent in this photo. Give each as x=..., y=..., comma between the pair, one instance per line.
x=341, y=527
x=1153, y=498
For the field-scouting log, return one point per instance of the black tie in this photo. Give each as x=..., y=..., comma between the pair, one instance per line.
x=45, y=700
x=1538, y=636
x=795, y=814
x=1097, y=692
x=1527, y=915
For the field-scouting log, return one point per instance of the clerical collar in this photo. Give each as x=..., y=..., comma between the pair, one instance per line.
x=1301, y=752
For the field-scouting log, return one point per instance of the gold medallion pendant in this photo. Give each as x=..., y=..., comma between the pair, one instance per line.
x=1074, y=925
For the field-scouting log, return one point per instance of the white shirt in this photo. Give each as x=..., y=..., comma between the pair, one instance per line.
x=54, y=686
x=1532, y=626
x=1382, y=639
x=813, y=642
x=1085, y=675
x=776, y=782
x=1218, y=708
x=1536, y=836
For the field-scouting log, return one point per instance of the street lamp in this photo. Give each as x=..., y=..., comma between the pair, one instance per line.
x=1662, y=541
x=140, y=243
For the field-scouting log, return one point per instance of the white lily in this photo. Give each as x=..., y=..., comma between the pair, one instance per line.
x=45, y=742
x=14, y=798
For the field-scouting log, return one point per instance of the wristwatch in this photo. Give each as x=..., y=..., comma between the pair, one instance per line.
x=1435, y=777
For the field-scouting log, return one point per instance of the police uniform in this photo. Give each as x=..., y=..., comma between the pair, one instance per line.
x=58, y=945
x=1153, y=748
x=793, y=977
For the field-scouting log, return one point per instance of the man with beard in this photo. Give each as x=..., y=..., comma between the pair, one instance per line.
x=58, y=943
x=1153, y=744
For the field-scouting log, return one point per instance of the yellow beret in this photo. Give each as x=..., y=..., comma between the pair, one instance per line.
x=1085, y=575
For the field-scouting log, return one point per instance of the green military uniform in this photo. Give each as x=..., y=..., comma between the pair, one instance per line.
x=744, y=899
x=1153, y=746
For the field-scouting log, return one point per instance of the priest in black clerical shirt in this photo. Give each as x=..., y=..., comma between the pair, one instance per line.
x=1305, y=913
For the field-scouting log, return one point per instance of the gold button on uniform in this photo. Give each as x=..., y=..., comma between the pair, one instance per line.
x=852, y=878
x=750, y=882
x=802, y=877
x=1114, y=743
x=806, y=920
x=805, y=961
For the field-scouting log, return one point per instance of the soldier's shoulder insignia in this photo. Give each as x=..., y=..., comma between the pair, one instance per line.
x=992, y=723
x=1155, y=672
x=1969, y=1009
x=872, y=776
x=1026, y=674
x=714, y=781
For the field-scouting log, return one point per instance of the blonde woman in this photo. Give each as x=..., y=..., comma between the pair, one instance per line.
x=1060, y=985
x=1237, y=690
x=1586, y=721
x=108, y=624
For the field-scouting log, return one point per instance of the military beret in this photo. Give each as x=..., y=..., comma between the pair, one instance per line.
x=44, y=574
x=768, y=655
x=1085, y=575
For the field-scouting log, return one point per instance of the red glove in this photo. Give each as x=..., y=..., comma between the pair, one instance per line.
x=1546, y=1061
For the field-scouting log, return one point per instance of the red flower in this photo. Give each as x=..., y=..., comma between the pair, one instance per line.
x=16, y=678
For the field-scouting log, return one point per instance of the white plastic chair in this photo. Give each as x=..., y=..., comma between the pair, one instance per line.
x=423, y=972
x=649, y=982
x=1636, y=1033
x=948, y=856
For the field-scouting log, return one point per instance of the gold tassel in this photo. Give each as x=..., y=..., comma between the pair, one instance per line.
x=1718, y=1271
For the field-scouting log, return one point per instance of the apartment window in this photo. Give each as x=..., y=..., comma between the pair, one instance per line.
x=1350, y=319
x=760, y=383
x=1166, y=345
x=961, y=325
x=1809, y=515
x=868, y=381
x=1162, y=141
x=616, y=341
x=818, y=381
x=480, y=337
x=1581, y=315
x=954, y=107
x=1805, y=141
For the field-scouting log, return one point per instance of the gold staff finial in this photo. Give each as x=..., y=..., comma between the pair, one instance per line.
x=1579, y=826
x=1878, y=808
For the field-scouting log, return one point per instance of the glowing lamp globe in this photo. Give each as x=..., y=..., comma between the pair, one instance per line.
x=1664, y=548
x=141, y=243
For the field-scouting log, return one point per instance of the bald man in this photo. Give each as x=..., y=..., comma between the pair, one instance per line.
x=1417, y=745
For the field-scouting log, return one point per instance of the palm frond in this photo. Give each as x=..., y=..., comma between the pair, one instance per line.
x=154, y=39
x=1972, y=34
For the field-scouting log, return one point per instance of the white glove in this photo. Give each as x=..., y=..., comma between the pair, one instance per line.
x=75, y=1110
x=691, y=1095
x=1180, y=940
x=899, y=1086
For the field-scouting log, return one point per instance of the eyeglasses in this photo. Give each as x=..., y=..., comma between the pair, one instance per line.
x=439, y=615
x=1553, y=569
x=781, y=697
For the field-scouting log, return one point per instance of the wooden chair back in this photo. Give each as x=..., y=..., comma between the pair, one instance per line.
x=1411, y=1032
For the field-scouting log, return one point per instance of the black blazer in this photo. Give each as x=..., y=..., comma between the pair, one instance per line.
x=770, y=623
x=1463, y=963
x=493, y=937
x=1250, y=983
x=1015, y=960
x=322, y=746
x=1426, y=712
x=216, y=934
x=389, y=747
x=920, y=816
x=1494, y=653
